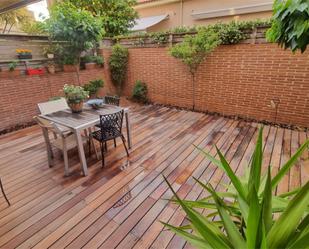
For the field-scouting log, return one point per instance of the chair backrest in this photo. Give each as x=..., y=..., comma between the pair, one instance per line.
x=48, y=125
x=111, y=123
x=53, y=106
x=112, y=100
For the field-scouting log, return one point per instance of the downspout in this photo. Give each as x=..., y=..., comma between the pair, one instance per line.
x=181, y=13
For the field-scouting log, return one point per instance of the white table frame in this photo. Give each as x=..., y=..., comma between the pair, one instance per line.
x=79, y=129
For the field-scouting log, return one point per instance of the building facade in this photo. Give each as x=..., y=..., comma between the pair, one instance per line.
x=157, y=15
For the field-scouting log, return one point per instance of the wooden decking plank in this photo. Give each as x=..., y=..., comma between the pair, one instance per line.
x=122, y=204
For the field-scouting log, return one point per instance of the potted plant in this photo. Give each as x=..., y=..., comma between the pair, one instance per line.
x=49, y=52
x=93, y=87
x=69, y=64
x=24, y=54
x=75, y=96
x=11, y=70
x=89, y=62
x=51, y=68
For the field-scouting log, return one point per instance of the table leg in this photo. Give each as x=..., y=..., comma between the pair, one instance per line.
x=81, y=151
x=48, y=147
x=128, y=125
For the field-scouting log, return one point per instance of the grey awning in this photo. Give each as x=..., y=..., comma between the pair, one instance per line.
x=7, y=5
x=146, y=22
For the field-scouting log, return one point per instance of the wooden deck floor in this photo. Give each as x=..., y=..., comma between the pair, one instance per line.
x=121, y=205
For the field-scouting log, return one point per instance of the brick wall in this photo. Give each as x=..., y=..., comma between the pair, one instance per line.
x=20, y=95
x=234, y=80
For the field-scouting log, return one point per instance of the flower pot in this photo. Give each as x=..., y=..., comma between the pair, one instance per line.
x=51, y=69
x=69, y=68
x=24, y=56
x=50, y=56
x=90, y=65
x=38, y=71
x=76, y=107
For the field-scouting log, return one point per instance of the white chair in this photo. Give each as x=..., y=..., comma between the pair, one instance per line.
x=63, y=141
x=54, y=106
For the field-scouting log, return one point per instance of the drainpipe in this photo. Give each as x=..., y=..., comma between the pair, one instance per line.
x=181, y=13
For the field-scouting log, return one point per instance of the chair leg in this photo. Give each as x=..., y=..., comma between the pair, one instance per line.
x=7, y=200
x=102, y=154
x=124, y=144
x=115, y=144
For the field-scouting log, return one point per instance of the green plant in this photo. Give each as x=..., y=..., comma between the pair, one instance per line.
x=118, y=63
x=75, y=94
x=159, y=37
x=245, y=212
x=193, y=50
x=93, y=86
x=95, y=59
x=118, y=15
x=229, y=33
x=290, y=27
x=12, y=65
x=77, y=28
x=140, y=92
x=68, y=59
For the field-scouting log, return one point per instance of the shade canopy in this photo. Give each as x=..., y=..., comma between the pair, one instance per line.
x=7, y=5
x=143, y=23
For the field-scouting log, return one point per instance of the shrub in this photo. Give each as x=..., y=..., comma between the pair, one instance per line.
x=290, y=27
x=246, y=212
x=93, y=86
x=118, y=63
x=140, y=92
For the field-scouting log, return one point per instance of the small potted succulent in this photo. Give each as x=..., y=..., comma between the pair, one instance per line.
x=24, y=54
x=75, y=96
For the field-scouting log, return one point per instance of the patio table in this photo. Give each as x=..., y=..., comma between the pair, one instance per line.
x=79, y=122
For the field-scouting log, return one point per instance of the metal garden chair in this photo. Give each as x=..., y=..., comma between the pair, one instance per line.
x=110, y=129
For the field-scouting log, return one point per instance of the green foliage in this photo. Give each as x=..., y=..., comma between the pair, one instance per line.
x=68, y=59
x=140, y=92
x=290, y=27
x=159, y=37
x=75, y=94
x=229, y=33
x=194, y=48
x=93, y=86
x=15, y=17
x=92, y=58
x=117, y=15
x=78, y=28
x=118, y=63
x=12, y=65
x=245, y=213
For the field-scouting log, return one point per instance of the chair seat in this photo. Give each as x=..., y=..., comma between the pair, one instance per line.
x=107, y=135
x=70, y=142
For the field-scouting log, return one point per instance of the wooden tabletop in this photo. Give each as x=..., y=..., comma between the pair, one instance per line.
x=87, y=117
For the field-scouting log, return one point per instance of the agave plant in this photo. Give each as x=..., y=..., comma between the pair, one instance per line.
x=246, y=211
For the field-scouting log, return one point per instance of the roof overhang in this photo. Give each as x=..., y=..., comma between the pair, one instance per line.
x=254, y=8
x=7, y=5
x=143, y=23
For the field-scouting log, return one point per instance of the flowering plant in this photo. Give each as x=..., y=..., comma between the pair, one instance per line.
x=75, y=94
x=23, y=51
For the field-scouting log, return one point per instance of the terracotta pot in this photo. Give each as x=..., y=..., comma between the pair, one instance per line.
x=90, y=65
x=51, y=69
x=76, y=107
x=69, y=68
